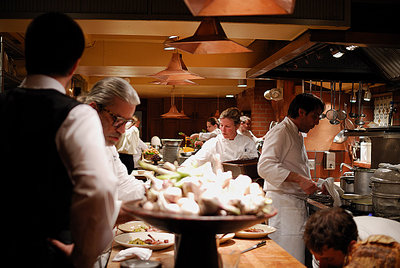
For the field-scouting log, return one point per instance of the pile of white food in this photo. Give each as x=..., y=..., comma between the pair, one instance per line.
x=201, y=191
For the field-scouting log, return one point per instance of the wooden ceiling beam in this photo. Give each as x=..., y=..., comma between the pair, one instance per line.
x=287, y=53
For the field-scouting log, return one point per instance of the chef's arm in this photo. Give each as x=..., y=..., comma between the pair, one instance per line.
x=307, y=185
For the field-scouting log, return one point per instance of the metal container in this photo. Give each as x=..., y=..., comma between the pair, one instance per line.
x=246, y=167
x=362, y=205
x=362, y=180
x=347, y=184
x=170, y=149
x=386, y=193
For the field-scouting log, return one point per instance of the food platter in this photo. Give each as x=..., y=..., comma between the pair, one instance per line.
x=123, y=239
x=256, y=231
x=136, y=226
x=189, y=228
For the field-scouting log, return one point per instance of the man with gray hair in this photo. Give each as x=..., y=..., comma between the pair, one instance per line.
x=115, y=101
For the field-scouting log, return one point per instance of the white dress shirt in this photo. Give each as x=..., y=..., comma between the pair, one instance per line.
x=81, y=146
x=129, y=188
x=283, y=151
x=241, y=147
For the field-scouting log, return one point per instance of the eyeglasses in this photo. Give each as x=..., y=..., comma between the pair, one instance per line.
x=119, y=121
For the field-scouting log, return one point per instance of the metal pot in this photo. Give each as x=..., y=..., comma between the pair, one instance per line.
x=363, y=205
x=362, y=180
x=347, y=184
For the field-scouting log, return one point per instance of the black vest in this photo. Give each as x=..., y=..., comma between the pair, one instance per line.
x=36, y=188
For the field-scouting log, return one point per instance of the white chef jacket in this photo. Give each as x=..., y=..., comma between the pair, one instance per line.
x=283, y=151
x=250, y=134
x=128, y=142
x=129, y=188
x=81, y=145
x=241, y=147
x=205, y=136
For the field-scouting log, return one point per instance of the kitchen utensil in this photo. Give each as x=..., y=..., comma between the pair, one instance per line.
x=342, y=114
x=359, y=121
x=322, y=116
x=311, y=86
x=340, y=137
x=334, y=121
x=352, y=114
x=331, y=114
x=262, y=243
x=347, y=184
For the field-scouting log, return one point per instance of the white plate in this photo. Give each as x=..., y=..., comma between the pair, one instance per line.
x=227, y=237
x=266, y=230
x=130, y=226
x=123, y=239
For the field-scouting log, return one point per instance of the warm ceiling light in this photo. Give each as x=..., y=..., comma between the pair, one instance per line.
x=176, y=70
x=242, y=83
x=336, y=53
x=240, y=7
x=230, y=96
x=174, y=82
x=209, y=38
x=351, y=47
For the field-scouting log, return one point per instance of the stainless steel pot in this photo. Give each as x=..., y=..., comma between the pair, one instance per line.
x=347, y=184
x=363, y=205
x=362, y=180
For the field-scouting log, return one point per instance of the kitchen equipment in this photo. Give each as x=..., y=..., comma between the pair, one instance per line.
x=386, y=193
x=334, y=121
x=353, y=100
x=331, y=114
x=322, y=116
x=347, y=184
x=170, y=149
x=246, y=167
x=362, y=180
x=362, y=205
x=342, y=114
x=199, y=229
x=359, y=121
x=348, y=198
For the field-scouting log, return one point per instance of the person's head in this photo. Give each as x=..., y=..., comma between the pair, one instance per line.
x=245, y=123
x=212, y=124
x=305, y=111
x=115, y=100
x=54, y=43
x=329, y=234
x=229, y=122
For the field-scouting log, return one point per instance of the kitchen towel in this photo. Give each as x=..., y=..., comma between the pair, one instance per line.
x=129, y=253
x=329, y=184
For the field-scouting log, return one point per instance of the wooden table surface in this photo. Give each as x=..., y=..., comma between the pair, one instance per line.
x=270, y=255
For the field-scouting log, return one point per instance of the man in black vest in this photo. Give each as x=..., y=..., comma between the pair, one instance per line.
x=58, y=186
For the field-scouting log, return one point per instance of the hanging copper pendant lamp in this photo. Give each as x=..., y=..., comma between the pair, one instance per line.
x=173, y=112
x=209, y=38
x=174, y=82
x=240, y=7
x=176, y=70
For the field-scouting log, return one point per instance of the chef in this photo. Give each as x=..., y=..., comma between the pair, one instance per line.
x=283, y=165
x=229, y=144
x=213, y=131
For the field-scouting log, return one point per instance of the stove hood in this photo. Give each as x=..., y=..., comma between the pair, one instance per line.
x=376, y=58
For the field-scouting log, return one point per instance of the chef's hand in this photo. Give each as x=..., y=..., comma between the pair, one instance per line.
x=324, y=190
x=198, y=143
x=64, y=248
x=307, y=185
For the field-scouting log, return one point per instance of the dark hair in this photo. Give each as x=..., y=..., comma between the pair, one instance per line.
x=305, y=101
x=213, y=121
x=232, y=113
x=53, y=44
x=334, y=228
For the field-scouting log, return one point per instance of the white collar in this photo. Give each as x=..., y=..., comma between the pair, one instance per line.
x=40, y=81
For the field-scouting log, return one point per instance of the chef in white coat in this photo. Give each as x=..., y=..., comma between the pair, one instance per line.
x=212, y=131
x=283, y=165
x=229, y=144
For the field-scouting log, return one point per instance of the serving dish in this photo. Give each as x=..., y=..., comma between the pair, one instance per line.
x=265, y=230
x=123, y=239
x=136, y=226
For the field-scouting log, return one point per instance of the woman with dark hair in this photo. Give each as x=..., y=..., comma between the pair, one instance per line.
x=229, y=145
x=212, y=131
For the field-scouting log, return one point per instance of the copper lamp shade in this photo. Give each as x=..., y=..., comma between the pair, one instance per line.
x=209, y=38
x=172, y=113
x=240, y=7
x=173, y=82
x=176, y=70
